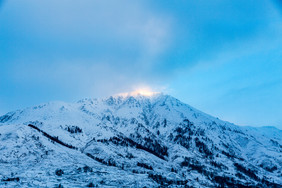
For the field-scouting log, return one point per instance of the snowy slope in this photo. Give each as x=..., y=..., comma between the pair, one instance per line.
x=134, y=141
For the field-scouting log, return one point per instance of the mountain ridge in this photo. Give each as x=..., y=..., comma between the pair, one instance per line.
x=157, y=138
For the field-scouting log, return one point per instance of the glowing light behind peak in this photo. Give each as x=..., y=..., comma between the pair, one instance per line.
x=144, y=92
x=141, y=91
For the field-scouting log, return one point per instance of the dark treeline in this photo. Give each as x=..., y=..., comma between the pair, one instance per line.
x=53, y=138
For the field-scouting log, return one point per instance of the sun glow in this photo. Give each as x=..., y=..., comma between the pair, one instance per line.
x=141, y=91
x=144, y=92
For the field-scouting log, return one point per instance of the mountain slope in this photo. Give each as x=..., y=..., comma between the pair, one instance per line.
x=134, y=141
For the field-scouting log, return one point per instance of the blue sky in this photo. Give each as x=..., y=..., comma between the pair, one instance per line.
x=222, y=57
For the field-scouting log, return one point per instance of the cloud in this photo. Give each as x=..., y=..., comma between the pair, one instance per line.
x=72, y=49
x=83, y=48
x=98, y=24
x=156, y=38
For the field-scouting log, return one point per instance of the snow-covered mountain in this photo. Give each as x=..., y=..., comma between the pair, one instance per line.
x=134, y=141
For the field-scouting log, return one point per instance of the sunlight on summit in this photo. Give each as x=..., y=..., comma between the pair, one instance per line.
x=142, y=91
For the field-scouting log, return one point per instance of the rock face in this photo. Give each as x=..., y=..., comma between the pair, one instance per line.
x=134, y=141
